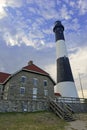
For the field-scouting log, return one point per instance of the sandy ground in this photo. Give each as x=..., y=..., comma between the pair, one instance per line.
x=79, y=124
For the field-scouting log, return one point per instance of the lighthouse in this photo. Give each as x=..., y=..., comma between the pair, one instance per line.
x=65, y=82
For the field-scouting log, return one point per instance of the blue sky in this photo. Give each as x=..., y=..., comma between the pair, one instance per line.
x=26, y=33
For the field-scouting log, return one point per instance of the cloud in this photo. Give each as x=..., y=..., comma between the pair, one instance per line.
x=44, y=4
x=78, y=60
x=79, y=5
x=13, y=3
x=38, y=24
x=82, y=6
x=51, y=69
x=43, y=10
x=84, y=92
x=72, y=3
x=8, y=3
x=19, y=38
x=2, y=13
x=2, y=9
x=73, y=25
x=79, y=66
x=65, y=13
x=11, y=40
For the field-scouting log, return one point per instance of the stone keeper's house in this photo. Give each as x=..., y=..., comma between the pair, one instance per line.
x=26, y=90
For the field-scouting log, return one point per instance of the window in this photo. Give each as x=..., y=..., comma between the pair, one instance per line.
x=1, y=88
x=22, y=90
x=35, y=81
x=23, y=79
x=45, y=92
x=34, y=93
x=45, y=82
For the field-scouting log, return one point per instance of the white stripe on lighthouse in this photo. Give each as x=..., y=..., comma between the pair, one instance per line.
x=66, y=89
x=61, y=50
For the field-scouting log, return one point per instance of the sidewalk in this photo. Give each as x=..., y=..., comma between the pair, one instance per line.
x=80, y=124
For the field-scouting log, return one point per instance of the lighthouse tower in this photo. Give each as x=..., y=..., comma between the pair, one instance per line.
x=65, y=82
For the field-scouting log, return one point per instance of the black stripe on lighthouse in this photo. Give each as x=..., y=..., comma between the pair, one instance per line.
x=64, y=70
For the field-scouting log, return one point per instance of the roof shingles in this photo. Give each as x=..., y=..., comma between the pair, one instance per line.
x=35, y=68
x=3, y=77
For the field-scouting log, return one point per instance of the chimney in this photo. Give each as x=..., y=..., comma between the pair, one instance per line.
x=30, y=62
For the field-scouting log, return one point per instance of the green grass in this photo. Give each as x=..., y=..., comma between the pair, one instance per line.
x=31, y=121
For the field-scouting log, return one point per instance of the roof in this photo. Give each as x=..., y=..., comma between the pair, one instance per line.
x=35, y=69
x=57, y=94
x=3, y=77
x=32, y=67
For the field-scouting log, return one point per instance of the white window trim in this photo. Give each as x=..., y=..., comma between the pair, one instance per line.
x=45, y=92
x=34, y=93
x=35, y=80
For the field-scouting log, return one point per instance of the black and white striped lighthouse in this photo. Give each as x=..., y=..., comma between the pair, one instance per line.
x=65, y=82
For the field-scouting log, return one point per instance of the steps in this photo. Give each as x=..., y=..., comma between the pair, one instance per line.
x=64, y=112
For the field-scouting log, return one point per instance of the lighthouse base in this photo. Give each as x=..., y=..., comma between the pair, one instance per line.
x=66, y=89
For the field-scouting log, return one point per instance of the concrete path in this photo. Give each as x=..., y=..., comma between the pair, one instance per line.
x=80, y=124
x=77, y=125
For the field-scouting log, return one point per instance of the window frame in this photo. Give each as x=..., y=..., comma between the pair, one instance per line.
x=34, y=93
x=45, y=92
x=23, y=79
x=21, y=92
x=45, y=83
x=35, y=82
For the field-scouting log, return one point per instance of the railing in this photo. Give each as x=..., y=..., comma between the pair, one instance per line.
x=64, y=112
x=70, y=99
x=78, y=105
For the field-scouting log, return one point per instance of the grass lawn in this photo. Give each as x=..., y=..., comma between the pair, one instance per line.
x=31, y=121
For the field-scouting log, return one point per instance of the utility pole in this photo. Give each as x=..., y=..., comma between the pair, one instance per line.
x=81, y=85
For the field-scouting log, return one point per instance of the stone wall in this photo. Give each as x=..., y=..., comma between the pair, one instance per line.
x=79, y=107
x=12, y=87
x=23, y=105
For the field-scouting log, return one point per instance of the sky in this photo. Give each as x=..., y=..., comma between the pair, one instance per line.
x=26, y=33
